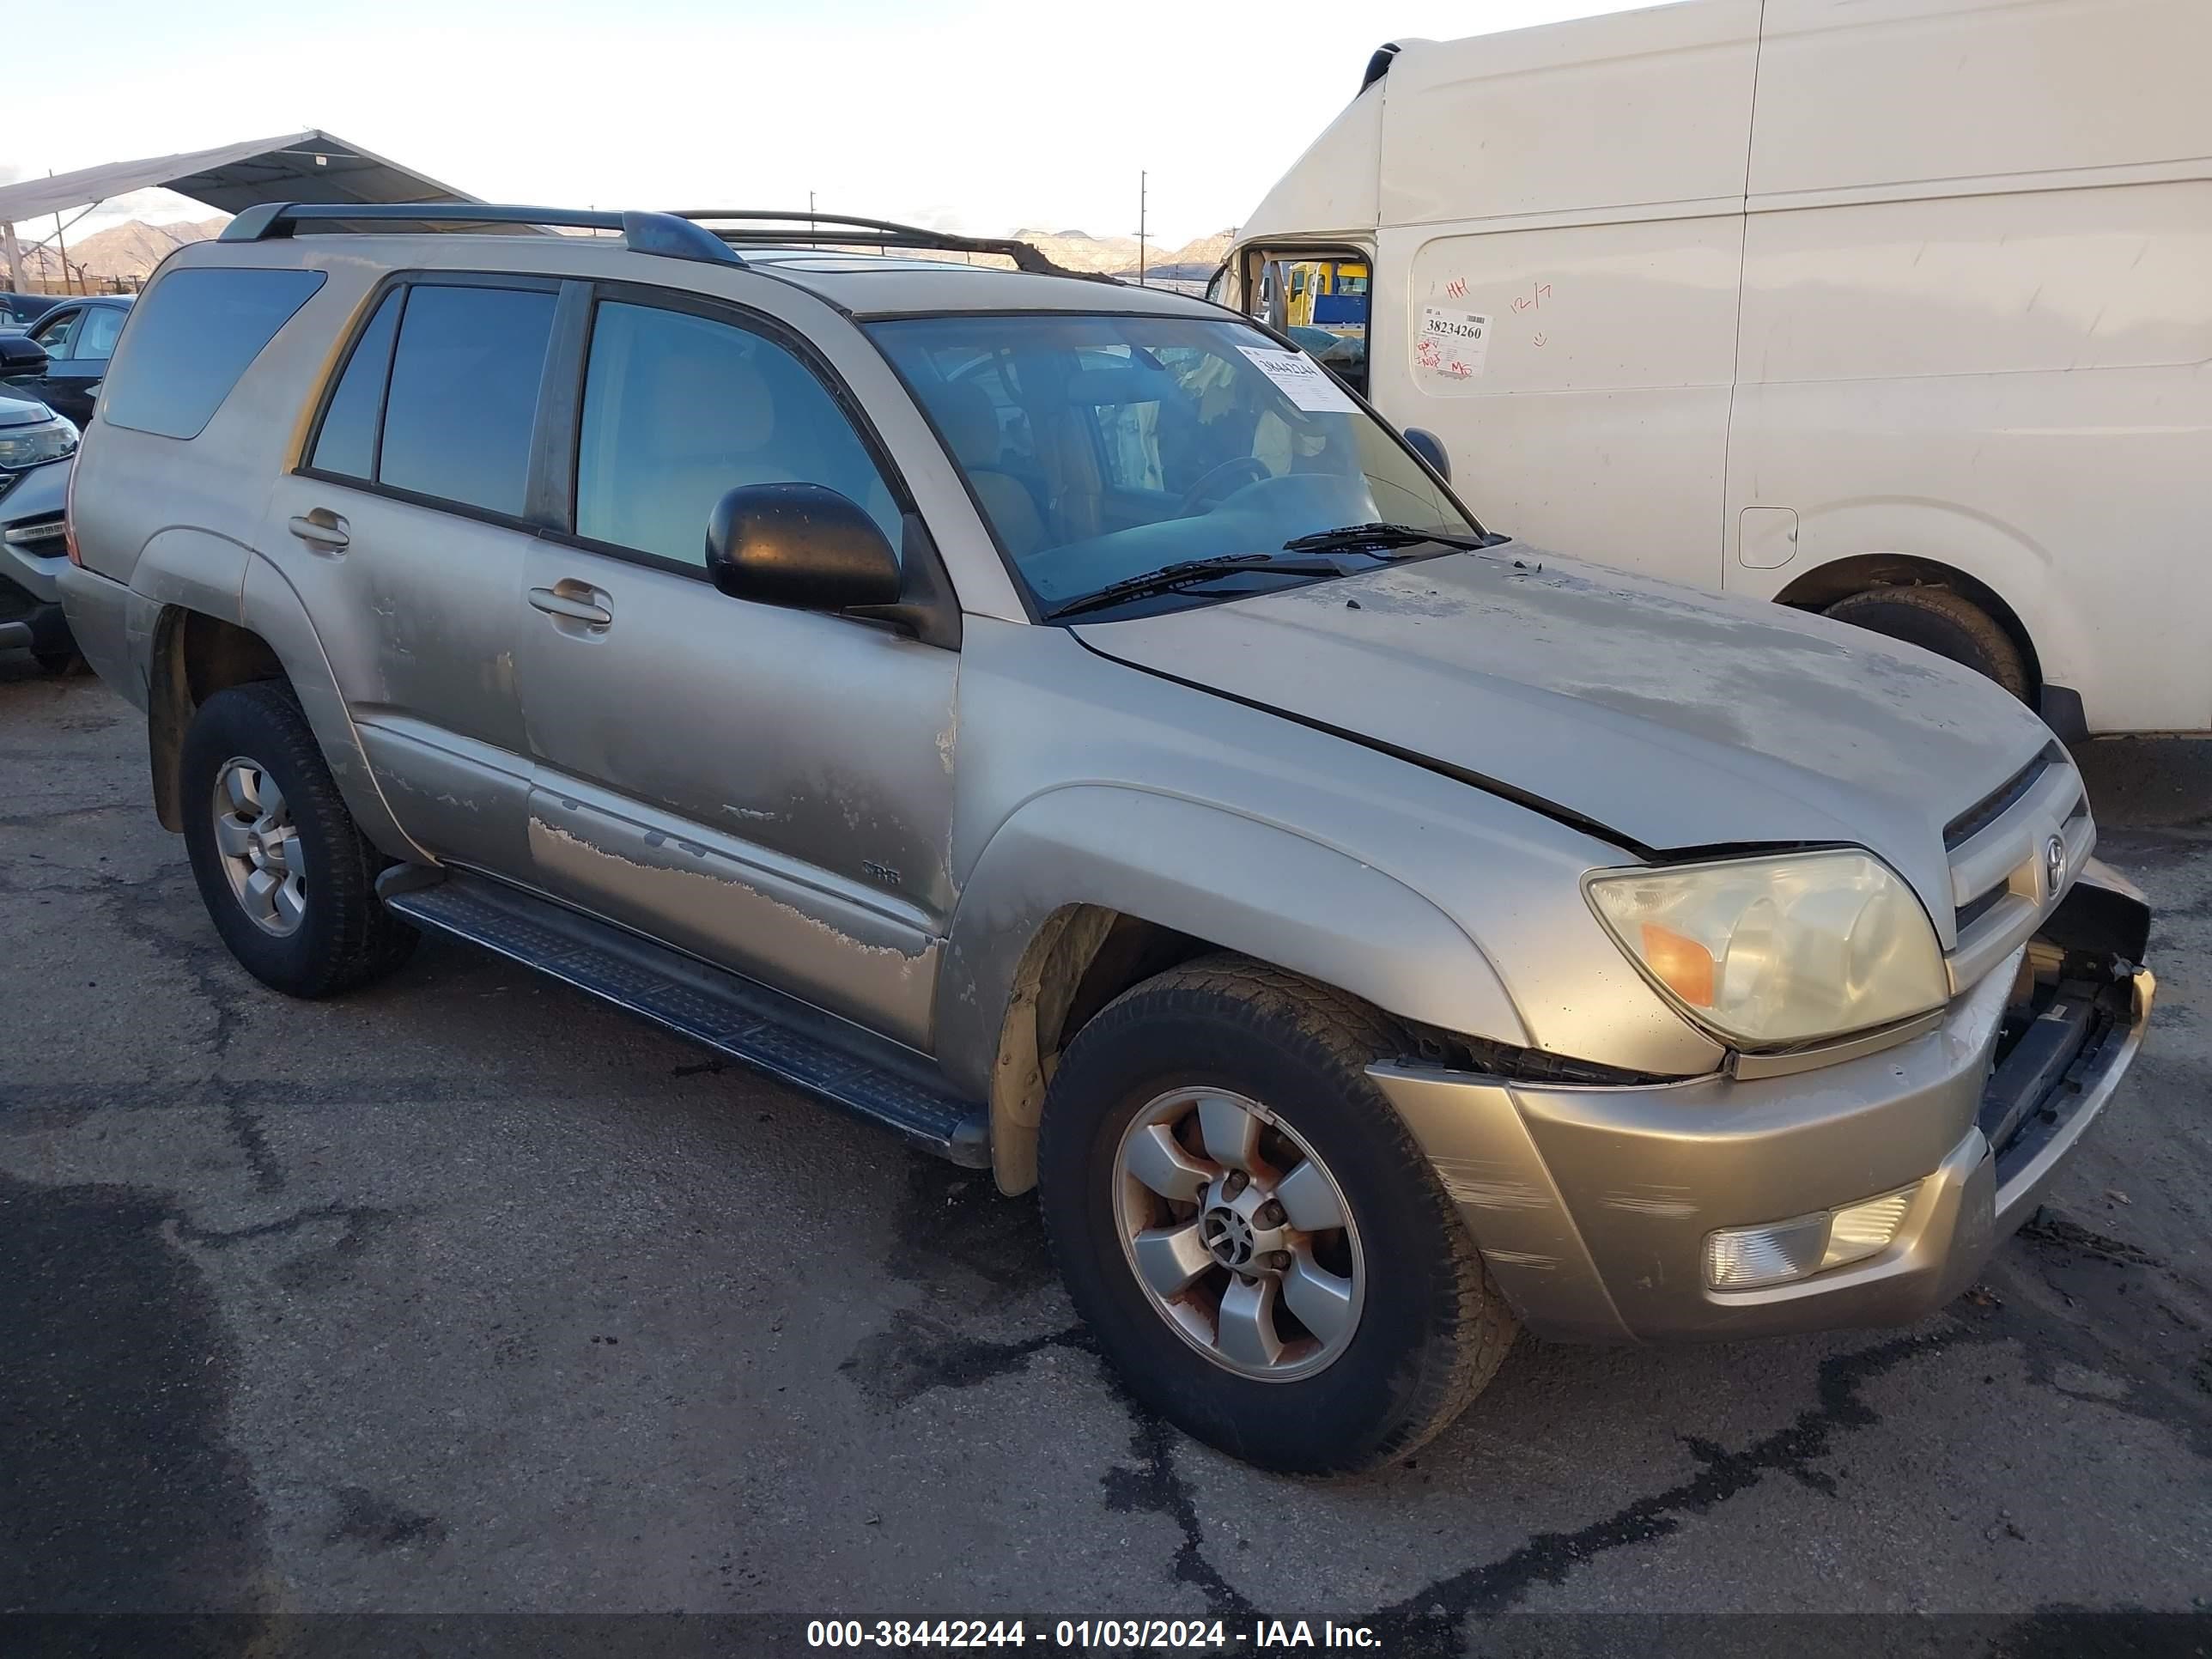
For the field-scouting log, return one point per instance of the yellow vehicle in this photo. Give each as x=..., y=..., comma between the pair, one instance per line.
x=1329, y=293
x=1321, y=304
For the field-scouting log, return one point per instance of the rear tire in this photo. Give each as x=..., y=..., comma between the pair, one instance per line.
x=287, y=879
x=1949, y=624
x=61, y=664
x=1426, y=1329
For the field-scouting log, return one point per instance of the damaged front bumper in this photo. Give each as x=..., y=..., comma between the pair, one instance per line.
x=1594, y=1205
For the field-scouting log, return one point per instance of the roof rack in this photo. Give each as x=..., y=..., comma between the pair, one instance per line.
x=672, y=235
x=665, y=233
x=760, y=227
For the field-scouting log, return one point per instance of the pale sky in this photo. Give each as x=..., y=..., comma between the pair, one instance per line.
x=980, y=115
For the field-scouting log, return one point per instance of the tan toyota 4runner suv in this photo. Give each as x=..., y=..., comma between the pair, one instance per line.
x=1057, y=721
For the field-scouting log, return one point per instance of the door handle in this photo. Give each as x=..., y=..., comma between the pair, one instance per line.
x=321, y=528
x=555, y=603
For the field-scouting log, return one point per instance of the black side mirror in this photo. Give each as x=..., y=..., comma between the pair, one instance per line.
x=1431, y=448
x=20, y=355
x=799, y=544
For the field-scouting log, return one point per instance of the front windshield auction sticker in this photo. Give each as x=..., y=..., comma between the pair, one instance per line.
x=1303, y=380
x=1450, y=345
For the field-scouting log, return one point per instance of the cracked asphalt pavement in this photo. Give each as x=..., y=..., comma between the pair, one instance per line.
x=468, y=1293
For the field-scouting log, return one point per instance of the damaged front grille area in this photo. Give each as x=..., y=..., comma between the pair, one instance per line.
x=2010, y=855
x=2073, y=998
x=2046, y=1046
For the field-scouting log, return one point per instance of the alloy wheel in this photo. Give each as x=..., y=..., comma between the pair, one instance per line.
x=259, y=847
x=1238, y=1235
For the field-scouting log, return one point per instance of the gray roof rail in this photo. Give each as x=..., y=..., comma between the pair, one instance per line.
x=761, y=228
x=666, y=235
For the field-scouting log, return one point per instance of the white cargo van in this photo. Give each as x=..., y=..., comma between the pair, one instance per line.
x=1897, y=309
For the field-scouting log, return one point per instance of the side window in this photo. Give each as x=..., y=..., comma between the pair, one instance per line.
x=96, y=335
x=464, y=394
x=53, y=334
x=194, y=335
x=679, y=408
x=347, y=443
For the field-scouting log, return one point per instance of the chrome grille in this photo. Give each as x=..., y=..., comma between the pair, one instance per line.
x=2000, y=855
x=1994, y=806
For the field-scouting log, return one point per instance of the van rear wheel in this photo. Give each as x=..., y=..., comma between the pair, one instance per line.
x=1939, y=620
x=1250, y=1230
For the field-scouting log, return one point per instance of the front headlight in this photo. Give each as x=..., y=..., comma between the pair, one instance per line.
x=1768, y=952
x=30, y=446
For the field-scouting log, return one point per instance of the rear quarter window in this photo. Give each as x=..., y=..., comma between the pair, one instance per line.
x=189, y=341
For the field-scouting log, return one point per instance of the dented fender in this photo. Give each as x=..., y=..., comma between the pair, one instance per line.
x=269, y=606
x=1202, y=869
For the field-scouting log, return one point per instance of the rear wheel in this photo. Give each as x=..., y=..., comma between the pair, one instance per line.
x=288, y=880
x=60, y=664
x=1949, y=624
x=1250, y=1230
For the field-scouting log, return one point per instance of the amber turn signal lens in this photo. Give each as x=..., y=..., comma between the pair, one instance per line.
x=1683, y=965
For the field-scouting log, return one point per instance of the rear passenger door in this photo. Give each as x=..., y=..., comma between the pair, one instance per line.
x=405, y=530
x=768, y=789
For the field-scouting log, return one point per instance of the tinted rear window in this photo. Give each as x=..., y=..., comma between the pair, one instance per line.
x=189, y=341
x=463, y=396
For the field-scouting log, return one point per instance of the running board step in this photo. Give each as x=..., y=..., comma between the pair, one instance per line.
x=752, y=1024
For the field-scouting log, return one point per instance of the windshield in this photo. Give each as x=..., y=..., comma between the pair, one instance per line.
x=1101, y=448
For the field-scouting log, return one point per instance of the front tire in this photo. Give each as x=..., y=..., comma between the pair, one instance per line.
x=1250, y=1230
x=287, y=879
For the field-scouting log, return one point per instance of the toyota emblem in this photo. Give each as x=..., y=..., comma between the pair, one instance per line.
x=2054, y=861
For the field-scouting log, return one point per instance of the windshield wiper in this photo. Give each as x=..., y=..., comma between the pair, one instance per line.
x=1169, y=577
x=1362, y=538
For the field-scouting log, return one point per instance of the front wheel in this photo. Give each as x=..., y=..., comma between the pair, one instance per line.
x=1251, y=1231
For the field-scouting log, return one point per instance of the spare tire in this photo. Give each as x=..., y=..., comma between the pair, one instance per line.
x=1949, y=624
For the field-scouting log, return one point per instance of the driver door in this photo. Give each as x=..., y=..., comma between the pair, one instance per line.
x=769, y=789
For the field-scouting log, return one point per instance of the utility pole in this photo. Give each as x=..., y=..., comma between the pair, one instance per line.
x=1142, y=177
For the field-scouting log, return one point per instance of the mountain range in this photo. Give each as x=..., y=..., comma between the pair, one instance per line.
x=1117, y=255
x=130, y=249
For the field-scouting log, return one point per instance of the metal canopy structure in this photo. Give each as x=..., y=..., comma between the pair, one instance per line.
x=301, y=167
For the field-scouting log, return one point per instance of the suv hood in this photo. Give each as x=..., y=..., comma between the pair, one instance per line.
x=1665, y=719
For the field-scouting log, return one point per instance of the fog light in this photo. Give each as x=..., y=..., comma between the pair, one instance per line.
x=1745, y=1258
x=1749, y=1258
x=1864, y=1228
